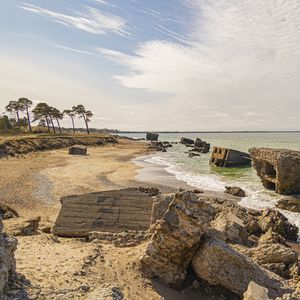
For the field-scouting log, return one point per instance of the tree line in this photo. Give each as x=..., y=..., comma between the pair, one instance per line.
x=46, y=115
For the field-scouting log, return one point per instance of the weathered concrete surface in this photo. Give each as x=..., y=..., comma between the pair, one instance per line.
x=151, y=136
x=189, y=216
x=273, y=219
x=229, y=228
x=8, y=246
x=229, y=158
x=78, y=150
x=176, y=238
x=278, y=169
x=256, y=292
x=219, y=264
x=112, y=211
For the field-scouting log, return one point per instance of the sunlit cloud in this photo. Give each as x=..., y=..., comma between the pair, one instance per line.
x=92, y=20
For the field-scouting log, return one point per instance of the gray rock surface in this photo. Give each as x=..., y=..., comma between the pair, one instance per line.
x=219, y=264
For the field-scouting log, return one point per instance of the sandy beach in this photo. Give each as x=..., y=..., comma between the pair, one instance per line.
x=59, y=268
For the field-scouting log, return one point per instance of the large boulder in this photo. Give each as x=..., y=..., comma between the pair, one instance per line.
x=219, y=264
x=277, y=222
x=176, y=238
x=8, y=246
x=151, y=136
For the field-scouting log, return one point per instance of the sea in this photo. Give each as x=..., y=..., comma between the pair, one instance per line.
x=198, y=173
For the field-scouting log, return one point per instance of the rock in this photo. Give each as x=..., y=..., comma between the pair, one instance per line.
x=278, y=223
x=256, y=292
x=186, y=141
x=219, y=264
x=22, y=227
x=229, y=228
x=283, y=257
x=229, y=158
x=192, y=154
x=271, y=237
x=201, y=146
x=151, y=136
x=278, y=169
x=291, y=204
x=160, y=206
x=8, y=246
x=157, y=146
x=235, y=191
x=176, y=238
x=6, y=212
x=78, y=150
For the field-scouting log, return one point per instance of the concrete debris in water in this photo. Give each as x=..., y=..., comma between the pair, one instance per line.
x=229, y=158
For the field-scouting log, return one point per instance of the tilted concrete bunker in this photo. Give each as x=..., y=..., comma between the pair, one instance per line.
x=229, y=158
x=111, y=211
x=278, y=169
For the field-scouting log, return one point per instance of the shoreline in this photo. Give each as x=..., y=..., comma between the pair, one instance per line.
x=157, y=174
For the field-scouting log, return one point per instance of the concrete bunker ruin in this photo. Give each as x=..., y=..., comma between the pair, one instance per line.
x=108, y=211
x=229, y=158
x=278, y=169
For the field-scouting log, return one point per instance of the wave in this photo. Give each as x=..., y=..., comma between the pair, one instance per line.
x=257, y=197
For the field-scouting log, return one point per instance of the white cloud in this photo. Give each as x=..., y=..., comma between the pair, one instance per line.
x=92, y=21
x=242, y=61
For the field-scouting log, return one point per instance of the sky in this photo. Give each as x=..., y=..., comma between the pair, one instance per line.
x=189, y=65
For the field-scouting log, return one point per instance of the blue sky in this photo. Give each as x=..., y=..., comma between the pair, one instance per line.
x=157, y=65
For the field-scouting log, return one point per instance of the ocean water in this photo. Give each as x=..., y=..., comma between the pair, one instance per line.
x=198, y=173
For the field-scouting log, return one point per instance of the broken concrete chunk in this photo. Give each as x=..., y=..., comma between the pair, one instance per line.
x=176, y=238
x=278, y=169
x=229, y=158
x=256, y=292
x=78, y=150
x=219, y=264
x=277, y=222
x=229, y=228
x=113, y=211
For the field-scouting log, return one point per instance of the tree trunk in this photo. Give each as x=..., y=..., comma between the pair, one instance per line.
x=18, y=118
x=86, y=124
x=53, y=128
x=47, y=121
x=58, y=125
x=73, y=125
x=28, y=119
